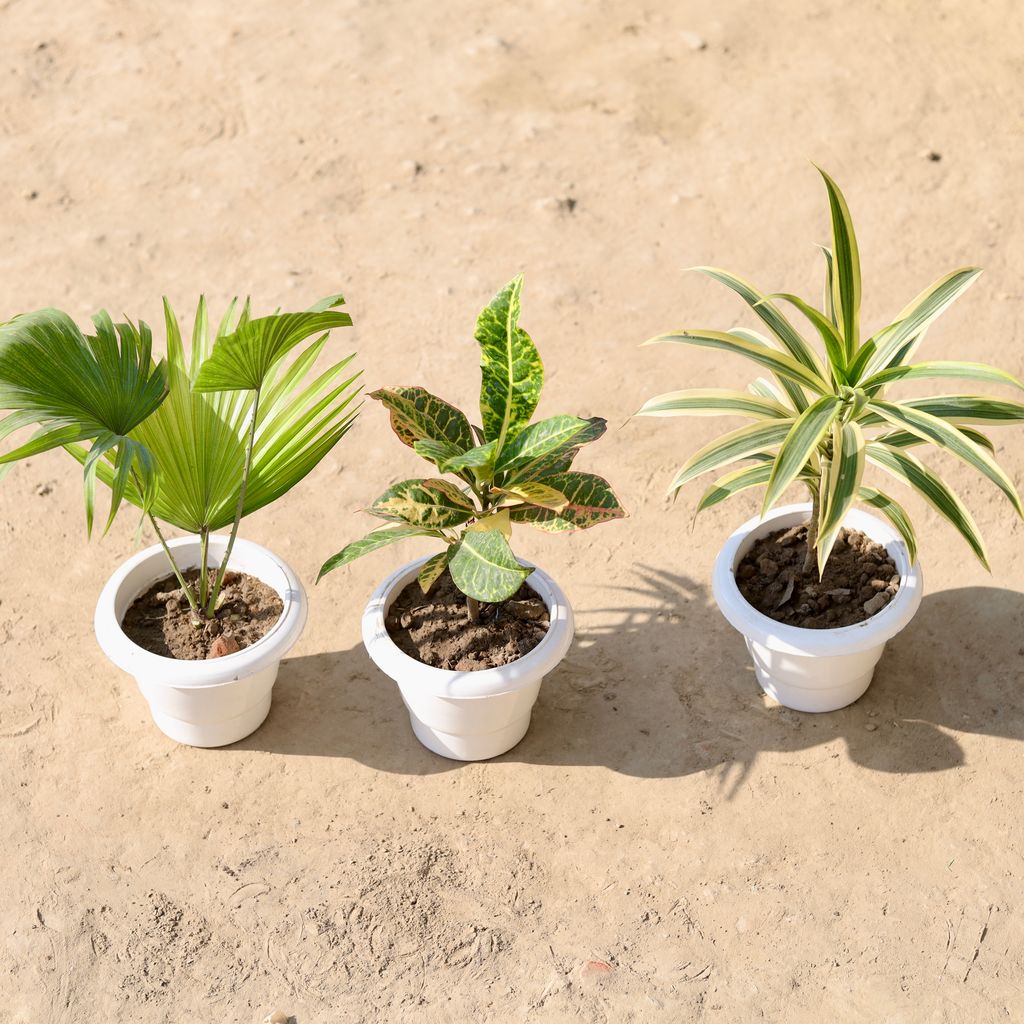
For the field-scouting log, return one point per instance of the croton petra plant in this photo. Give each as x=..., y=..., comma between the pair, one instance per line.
x=506, y=472
x=200, y=439
x=826, y=415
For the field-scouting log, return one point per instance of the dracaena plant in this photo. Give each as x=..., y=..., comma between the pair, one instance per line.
x=827, y=414
x=200, y=439
x=506, y=472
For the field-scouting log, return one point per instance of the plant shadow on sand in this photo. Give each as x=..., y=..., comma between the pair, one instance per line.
x=661, y=687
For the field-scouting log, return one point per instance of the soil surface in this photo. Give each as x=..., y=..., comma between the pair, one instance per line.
x=860, y=579
x=161, y=620
x=666, y=844
x=434, y=628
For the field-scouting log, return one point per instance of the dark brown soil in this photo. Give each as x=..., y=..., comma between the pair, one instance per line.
x=860, y=580
x=161, y=621
x=434, y=628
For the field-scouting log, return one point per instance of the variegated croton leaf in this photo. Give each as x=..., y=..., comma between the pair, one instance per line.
x=512, y=373
x=589, y=500
x=430, y=504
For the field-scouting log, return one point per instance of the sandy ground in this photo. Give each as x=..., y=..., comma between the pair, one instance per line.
x=665, y=845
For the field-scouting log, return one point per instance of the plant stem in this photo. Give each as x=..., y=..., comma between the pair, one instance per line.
x=472, y=609
x=238, y=511
x=186, y=589
x=204, y=560
x=811, y=558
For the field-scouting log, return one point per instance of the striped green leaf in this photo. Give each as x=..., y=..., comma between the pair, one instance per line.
x=846, y=268
x=942, y=369
x=432, y=570
x=830, y=337
x=911, y=471
x=895, y=513
x=428, y=504
x=590, y=500
x=731, y=447
x=840, y=486
x=417, y=415
x=794, y=392
x=799, y=444
x=771, y=316
x=379, y=538
x=512, y=373
x=969, y=408
x=733, y=483
x=483, y=567
x=713, y=402
x=827, y=298
x=778, y=362
x=946, y=436
x=893, y=344
x=242, y=360
x=904, y=439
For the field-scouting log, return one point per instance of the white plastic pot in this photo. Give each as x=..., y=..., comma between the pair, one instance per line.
x=815, y=669
x=468, y=716
x=203, y=703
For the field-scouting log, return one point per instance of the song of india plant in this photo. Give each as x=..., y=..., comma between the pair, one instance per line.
x=828, y=414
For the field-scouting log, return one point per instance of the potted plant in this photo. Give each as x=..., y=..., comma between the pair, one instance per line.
x=817, y=589
x=469, y=632
x=197, y=441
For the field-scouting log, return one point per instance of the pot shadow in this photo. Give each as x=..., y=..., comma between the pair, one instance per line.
x=660, y=686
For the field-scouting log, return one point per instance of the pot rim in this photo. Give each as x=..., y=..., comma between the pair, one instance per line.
x=798, y=640
x=522, y=672
x=268, y=650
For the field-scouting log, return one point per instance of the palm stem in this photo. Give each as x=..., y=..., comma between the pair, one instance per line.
x=186, y=589
x=238, y=511
x=204, y=559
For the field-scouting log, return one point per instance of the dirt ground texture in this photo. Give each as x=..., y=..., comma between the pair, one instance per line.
x=666, y=844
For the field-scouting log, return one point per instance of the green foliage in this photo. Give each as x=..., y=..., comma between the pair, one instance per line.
x=814, y=422
x=211, y=434
x=508, y=471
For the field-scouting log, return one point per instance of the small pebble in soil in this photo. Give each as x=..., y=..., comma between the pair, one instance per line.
x=871, y=727
x=222, y=646
x=277, y=1017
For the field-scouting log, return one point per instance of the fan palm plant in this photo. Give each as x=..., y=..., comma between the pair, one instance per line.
x=200, y=439
x=827, y=414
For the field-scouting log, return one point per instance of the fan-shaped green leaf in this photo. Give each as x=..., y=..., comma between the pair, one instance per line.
x=241, y=361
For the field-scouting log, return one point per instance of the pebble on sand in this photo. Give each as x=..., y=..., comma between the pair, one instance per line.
x=277, y=1017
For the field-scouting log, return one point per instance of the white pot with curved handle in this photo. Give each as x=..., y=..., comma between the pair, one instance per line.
x=203, y=703
x=468, y=716
x=815, y=669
